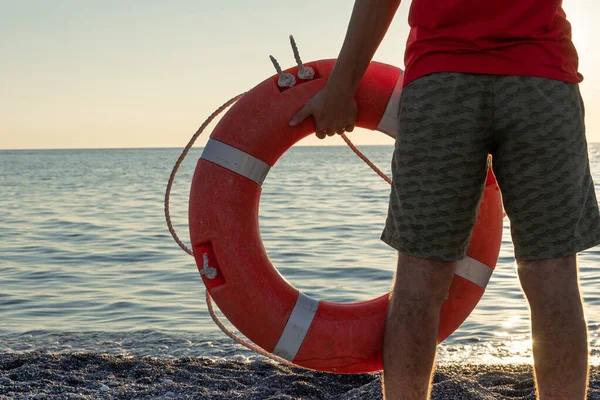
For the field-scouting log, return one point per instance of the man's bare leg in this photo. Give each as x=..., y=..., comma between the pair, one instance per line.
x=558, y=327
x=410, y=341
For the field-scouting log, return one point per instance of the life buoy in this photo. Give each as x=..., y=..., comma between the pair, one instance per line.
x=224, y=229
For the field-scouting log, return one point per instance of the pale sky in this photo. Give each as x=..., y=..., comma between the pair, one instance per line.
x=147, y=73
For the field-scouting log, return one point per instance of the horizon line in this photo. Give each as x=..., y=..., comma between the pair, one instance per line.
x=177, y=147
x=199, y=147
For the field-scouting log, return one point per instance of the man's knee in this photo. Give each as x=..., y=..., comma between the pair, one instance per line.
x=548, y=281
x=424, y=281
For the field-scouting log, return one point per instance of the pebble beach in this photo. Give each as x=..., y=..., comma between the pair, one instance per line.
x=103, y=376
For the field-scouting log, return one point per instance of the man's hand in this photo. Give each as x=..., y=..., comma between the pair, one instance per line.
x=334, y=108
x=334, y=112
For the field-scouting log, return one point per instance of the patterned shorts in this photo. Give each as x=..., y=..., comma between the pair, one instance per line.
x=533, y=128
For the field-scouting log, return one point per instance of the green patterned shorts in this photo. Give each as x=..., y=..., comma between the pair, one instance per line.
x=533, y=128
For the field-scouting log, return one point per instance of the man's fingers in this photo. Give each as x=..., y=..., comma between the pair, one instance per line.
x=301, y=116
x=326, y=132
x=323, y=132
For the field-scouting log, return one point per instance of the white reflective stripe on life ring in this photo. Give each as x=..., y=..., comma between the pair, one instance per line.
x=474, y=271
x=236, y=160
x=389, y=121
x=297, y=327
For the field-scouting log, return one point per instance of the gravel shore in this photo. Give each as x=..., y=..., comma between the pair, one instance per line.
x=100, y=376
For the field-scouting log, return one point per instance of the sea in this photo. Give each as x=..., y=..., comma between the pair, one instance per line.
x=87, y=263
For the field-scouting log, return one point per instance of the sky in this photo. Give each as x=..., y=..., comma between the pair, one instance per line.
x=147, y=73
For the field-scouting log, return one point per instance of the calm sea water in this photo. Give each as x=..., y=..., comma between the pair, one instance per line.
x=87, y=263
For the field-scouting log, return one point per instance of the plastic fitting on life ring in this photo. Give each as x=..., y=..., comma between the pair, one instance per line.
x=224, y=228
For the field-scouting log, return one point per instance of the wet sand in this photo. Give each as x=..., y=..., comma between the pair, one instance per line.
x=97, y=376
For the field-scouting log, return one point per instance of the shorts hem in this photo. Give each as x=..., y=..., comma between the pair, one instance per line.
x=425, y=253
x=532, y=256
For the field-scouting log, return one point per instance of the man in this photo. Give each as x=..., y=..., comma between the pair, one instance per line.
x=482, y=77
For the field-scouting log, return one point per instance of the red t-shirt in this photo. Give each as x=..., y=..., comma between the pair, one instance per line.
x=504, y=37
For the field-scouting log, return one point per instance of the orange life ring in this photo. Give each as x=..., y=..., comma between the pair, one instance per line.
x=223, y=220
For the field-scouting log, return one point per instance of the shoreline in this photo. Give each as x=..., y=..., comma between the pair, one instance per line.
x=102, y=376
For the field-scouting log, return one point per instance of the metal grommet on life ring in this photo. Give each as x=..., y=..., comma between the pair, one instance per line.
x=224, y=229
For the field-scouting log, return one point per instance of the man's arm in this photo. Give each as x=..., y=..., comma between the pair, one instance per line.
x=334, y=108
x=368, y=25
